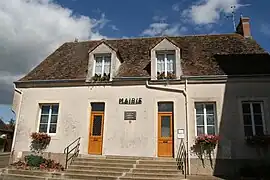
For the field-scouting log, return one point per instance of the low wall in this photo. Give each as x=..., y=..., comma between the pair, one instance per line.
x=58, y=157
x=4, y=159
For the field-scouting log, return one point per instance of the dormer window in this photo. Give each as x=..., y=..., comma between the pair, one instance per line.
x=166, y=66
x=102, y=67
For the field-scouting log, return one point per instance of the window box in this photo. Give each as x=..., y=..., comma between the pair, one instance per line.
x=162, y=75
x=258, y=141
x=99, y=78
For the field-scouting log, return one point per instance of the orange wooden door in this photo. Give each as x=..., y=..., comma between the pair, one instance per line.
x=96, y=133
x=165, y=135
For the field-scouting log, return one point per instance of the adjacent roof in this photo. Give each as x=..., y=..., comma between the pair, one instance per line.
x=4, y=127
x=201, y=55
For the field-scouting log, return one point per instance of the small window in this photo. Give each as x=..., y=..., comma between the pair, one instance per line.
x=98, y=107
x=205, y=118
x=253, y=118
x=166, y=63
x=165, y=107
x=102, y=64
x=48, y=118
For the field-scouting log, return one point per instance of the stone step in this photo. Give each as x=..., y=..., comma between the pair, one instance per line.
x=153, y=175
x=94, y=172
x=103, y=164
x=157, y=162
x=134, y=157
x=124, y=161
x=149, y=178
x=33, y=173
x=20, y=177
x=157, y=171
x=155, y=166
x=88, y=176
x=97, y=168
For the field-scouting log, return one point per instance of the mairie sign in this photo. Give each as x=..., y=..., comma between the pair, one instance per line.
x=130, y=100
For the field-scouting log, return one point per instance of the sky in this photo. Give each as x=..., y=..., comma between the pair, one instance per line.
x=32, y=29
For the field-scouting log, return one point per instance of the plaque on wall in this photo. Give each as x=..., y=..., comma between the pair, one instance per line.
x=130, y=115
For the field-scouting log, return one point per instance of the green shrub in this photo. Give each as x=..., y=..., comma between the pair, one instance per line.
x=33, y=160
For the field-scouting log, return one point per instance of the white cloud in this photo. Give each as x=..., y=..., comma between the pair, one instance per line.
x=160, y=18
x=31, y=30
x=265, y=29
x=175, y=7
x=178, y=6
x=114, y=27
x=209, y=11
x=157, y=29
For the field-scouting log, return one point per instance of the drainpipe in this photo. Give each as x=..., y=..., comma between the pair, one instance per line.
x=184, y=92
x=187, y=127
x=16, y=123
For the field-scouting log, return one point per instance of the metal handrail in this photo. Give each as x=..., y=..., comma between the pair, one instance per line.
x=68, y=151
x=181, y=158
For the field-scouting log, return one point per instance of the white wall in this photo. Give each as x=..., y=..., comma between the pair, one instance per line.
x=139, y=138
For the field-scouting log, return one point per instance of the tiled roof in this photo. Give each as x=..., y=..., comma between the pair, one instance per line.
x=201, y=55
x=4, y=127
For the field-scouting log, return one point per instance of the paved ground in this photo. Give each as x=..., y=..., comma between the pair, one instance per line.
x=202, y=177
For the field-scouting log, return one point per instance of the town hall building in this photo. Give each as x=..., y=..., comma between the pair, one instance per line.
x=144, y=96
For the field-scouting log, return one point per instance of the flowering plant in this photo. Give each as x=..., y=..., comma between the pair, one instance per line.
x=99, y=78
x=258, y=140
x=162, y=75
x=205, y=144
x=40, y=142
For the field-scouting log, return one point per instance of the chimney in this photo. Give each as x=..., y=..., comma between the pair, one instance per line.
x=243, y=27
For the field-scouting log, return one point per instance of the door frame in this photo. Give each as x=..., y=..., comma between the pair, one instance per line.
x=92, y=114
x=171, y=114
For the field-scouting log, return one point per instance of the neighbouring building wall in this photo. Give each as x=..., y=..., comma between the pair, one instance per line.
x=139, y=137
x=232, y=151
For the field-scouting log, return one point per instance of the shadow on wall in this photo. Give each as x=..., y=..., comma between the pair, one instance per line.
x=252, y=97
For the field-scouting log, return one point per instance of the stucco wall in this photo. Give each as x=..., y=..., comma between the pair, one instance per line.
x=139, y=138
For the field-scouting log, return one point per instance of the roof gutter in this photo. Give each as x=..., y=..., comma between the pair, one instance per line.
x=222, y=77
x=51, y=80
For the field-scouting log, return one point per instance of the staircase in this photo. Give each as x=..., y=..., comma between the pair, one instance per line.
x=107, y=168
x=129, y=168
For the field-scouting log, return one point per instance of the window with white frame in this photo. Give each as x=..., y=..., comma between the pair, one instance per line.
x=48, y=118
x=253, y=118
x=205, y=118
x=102, y=64
x=166, y=62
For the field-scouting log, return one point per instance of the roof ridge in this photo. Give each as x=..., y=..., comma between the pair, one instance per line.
x=153, y=37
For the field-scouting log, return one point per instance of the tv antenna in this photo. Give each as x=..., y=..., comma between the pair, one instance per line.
x=233, y=16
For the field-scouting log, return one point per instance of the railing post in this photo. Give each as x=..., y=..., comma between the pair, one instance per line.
x=66, y=157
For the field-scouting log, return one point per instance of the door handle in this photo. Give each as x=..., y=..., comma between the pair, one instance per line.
x=95, y=140
x=165, y=141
